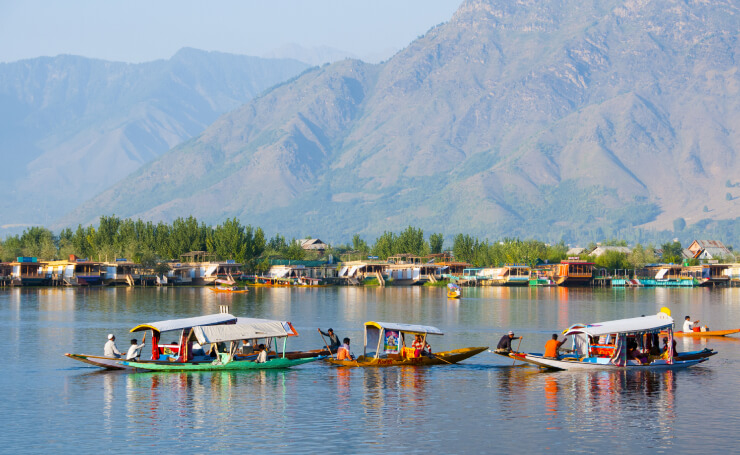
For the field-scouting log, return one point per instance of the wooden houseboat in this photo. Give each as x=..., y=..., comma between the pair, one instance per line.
x=708, y=274
x=573, y=272
x=121, y=272
x=28, y=271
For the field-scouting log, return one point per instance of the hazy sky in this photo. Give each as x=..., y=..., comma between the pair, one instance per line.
x=136, y=31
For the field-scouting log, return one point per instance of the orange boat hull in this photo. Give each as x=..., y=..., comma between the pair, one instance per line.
x=709, y=333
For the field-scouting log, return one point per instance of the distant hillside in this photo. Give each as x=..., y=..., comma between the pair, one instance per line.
x=71, y=126
x=554, y=119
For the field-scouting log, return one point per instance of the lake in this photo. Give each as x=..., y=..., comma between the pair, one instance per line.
x=483, y=405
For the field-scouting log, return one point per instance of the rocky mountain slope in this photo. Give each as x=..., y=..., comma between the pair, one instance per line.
x=73, y=126
x=549, y=118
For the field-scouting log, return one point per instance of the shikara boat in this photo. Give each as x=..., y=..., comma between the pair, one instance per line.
x=453, y=291
x=708, y=333
x=385, y=345
x=611, y=352
x=230, y=289
x=157, y=328
x=233, y=334
x=268, y=282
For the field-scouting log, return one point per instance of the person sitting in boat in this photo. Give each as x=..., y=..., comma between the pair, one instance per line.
x=688, y=326
x=262, y=356
x=134, y=351
x=634, y=354
x=110, y=349
x=420, y=347
x=343, y=351
x=334, y=344
x=552, y=346
x=665, y=347
x=504, y=344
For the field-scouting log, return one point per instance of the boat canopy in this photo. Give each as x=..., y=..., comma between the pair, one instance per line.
x=288, y=326
x=255, y=328
x=185, y=323
x=642, y=324
x=408, y=328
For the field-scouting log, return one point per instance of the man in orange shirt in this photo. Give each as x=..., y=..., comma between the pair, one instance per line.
x=551, y=347
x=343, y=351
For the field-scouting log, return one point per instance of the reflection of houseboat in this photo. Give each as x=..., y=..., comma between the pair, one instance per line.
x=573, y=272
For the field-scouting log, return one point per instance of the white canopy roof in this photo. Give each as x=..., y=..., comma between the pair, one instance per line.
x=412, y=328
x=179, y=324
x=641, y=324
x=242, y=330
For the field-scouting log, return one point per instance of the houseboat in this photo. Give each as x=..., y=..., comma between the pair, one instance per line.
x=28, y=271
x=573, y=272
x=508, y=275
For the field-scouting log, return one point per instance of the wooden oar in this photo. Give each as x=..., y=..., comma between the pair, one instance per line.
x=440, y=358
x=517, y=350
x=325, y=343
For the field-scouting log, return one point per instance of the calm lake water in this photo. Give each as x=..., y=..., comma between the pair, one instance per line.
x=483, y=405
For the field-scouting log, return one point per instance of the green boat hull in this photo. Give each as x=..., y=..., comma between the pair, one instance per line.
x=237, y=365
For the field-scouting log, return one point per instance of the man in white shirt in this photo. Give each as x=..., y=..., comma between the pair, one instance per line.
x=688, y=326
x=262, y=356
x=110, y=349
x=134, y=351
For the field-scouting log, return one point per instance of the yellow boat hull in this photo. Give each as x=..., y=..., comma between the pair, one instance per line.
x=439, y=358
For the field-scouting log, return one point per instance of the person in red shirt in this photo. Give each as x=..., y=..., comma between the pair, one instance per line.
x=551, y=347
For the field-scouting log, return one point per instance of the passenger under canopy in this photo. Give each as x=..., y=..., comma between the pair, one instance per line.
x=182, y=324
x=383, y=338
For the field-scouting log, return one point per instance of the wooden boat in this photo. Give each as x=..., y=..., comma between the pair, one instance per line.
x=573, y=272
x=708, y=333
x=243, y=329
x=158, y=350
x=385, y=345
x=268, y=282
x=232, y=289
x=692, y=355
x=588, y=355
x=453, y=291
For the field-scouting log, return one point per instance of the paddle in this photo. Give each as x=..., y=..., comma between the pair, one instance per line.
x=517, y=350
x=325, y=343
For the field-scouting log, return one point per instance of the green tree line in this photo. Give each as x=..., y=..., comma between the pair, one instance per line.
x=147, y=242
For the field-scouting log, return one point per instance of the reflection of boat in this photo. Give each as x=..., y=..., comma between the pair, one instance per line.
x=604, y=345
x=233, y=334
x=453, y=291
x=385, y=345
x=158, y=351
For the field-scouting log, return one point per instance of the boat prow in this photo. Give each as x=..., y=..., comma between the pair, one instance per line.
x=109, y=363
x=708, y=333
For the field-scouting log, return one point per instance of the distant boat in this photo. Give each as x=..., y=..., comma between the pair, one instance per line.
x=453, y=291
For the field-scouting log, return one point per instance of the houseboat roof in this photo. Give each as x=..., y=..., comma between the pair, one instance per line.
x=642, y=324
x=577, y=262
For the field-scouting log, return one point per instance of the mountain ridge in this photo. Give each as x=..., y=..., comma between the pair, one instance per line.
x=617, y=114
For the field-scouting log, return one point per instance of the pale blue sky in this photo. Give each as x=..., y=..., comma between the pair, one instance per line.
x=136, y=31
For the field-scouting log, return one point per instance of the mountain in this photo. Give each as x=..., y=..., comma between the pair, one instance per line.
x=70, y=126
x=551, y=119
x=314, y=56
